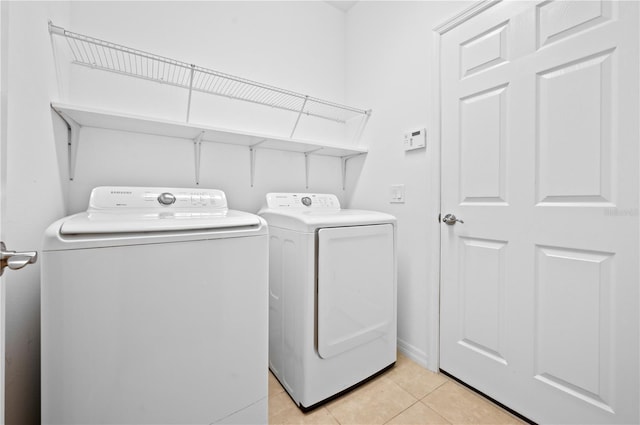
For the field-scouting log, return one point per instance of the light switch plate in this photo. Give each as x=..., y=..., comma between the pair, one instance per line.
x=415, y=139
x=396, y=194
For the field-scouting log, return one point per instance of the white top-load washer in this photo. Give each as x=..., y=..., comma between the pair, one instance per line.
x=332, y=303
x=154, y=311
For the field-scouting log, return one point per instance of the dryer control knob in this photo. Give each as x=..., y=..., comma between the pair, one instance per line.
x=306, y=201
x=166, y=198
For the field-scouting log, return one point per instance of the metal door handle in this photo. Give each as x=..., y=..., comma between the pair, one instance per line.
x=15, y=260
x=451, y=219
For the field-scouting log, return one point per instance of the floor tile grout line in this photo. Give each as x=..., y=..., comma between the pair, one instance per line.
x=429, y=392
x=435, y=411
x=411, y=395
x=483, y=399
x=438, y=411
x=380, y=378
x=331, y=414
x=438, y=386
x=400, y=413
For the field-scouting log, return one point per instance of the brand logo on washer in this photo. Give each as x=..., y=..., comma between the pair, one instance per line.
x=306, y=201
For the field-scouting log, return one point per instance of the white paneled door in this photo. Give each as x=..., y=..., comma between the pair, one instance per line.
x=539, y=289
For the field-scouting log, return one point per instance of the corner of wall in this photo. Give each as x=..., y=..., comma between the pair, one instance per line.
x=415, y=354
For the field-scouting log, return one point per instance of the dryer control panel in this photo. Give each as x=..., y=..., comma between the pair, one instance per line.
x=159, y=198
x=324, y=201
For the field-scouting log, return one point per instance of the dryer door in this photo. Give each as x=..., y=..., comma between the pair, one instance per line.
x=356, y=292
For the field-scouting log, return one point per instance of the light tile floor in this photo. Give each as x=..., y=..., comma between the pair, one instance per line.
x=405, y=394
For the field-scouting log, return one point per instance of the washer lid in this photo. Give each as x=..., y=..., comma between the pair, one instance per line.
x=125, y=222
x=306, y=212
x=152, y=209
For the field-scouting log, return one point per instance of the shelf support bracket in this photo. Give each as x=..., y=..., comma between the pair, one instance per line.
x=197, y=149
x=59, y=31
x=193, y=67
x=299, y=115
x=252, y=160
x=363, y=124
x=344, y=160
x=73, y=137
x=306, y=166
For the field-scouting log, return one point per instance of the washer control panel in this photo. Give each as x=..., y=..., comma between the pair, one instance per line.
x=303, y=201
x=116, y=197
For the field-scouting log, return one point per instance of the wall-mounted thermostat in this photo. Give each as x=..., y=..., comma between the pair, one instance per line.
x=415, y=139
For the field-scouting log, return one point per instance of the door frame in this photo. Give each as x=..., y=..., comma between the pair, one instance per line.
x=4, y=50
x=435, y=276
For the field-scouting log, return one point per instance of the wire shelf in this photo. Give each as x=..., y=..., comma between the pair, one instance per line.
x=104, y=55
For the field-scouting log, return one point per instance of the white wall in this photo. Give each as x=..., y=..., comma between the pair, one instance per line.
x=34, y=194
x=295, y=45
x=390, y=66
x=298, y=45
x=386, y=49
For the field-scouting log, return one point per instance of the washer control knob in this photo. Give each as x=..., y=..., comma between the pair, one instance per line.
x=166, y=198
x=306, y=201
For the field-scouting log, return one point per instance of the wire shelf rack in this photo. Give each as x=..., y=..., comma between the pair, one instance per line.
x=99, y=54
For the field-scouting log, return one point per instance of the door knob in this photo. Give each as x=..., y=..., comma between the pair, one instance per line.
x=15, y=260
x=451, y=219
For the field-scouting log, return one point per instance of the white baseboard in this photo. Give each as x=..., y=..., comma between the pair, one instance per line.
x=413, y=353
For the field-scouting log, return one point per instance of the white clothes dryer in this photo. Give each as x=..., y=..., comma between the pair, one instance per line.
x=332, y=303
x=154, y=310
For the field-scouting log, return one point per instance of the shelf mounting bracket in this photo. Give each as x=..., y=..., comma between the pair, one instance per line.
x=344, y=160
x=197, y=150
x=193, y=67
x=299, y=115
x=306, y=165
x=73, y=137
x=252, y=160
x=361, y=126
